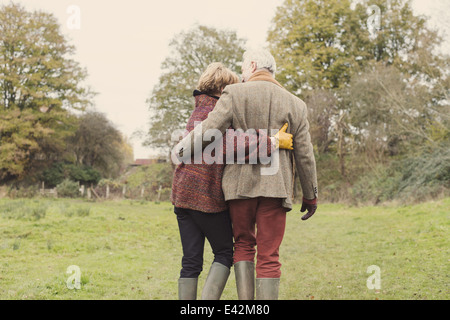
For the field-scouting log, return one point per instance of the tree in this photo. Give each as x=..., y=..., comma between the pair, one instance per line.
x=322, y=107
x=39, y=86
x=171, y=101
x=35, y=71
x=392, y=115
x=312, y=41
x=98, y=144
x=321, y=44
x=18, y=134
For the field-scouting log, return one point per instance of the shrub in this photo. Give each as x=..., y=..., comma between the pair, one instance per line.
x=23, y=192
x=378, y=185
x=412, y=179
x=59, y=171
x=68, y=189
x=426, y=175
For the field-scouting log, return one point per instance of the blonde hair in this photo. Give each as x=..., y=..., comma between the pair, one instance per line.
x=215, y=78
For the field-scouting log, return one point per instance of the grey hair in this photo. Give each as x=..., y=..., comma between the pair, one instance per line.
x=263, y=59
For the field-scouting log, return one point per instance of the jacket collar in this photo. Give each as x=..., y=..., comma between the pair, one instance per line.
x=198, y=93
x=264, y=75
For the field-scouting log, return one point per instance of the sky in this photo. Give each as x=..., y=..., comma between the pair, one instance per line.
x=123, y=43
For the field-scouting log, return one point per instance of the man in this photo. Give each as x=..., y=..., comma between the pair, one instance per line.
x=258, y=199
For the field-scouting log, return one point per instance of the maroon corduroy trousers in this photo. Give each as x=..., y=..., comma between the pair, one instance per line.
x=258, y=222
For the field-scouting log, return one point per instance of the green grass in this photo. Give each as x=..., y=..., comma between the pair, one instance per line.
x=131, y=250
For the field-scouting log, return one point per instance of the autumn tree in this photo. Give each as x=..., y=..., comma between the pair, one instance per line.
x=171, y=101
x=39, y=87
x=320, y=44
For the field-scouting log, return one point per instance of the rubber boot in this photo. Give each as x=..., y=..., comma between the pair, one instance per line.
x=215, y=282
x=267, y=288
x=245, y=280
x=187, y=288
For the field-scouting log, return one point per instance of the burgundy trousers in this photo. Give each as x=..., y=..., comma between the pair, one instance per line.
x=258, y=222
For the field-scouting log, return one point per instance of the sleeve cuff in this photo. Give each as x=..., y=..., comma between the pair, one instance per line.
x=307, y=201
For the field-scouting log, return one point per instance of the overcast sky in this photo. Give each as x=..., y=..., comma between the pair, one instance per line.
x=122, y=43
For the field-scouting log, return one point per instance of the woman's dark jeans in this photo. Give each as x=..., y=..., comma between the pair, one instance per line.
x=194, y=227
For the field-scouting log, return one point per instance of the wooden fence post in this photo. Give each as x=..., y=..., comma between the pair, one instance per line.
x=159, y=192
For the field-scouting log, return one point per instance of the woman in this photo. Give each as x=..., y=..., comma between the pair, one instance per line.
x=199, y=202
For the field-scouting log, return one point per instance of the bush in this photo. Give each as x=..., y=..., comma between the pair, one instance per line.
x=426, y=175
x=60, y=171
x=23, y=192
x=68, y=189
x=378, y=185
x=412, y=179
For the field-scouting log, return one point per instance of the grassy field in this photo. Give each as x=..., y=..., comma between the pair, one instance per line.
x=131, y=250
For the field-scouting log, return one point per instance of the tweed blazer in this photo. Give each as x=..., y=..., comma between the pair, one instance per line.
x=262, y=105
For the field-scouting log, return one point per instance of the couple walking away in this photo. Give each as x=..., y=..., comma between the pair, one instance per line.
x=221, y=201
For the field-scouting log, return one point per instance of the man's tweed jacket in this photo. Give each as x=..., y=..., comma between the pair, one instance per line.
x=262, y=105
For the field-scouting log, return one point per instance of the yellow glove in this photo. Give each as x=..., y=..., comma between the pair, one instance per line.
x=284, y=140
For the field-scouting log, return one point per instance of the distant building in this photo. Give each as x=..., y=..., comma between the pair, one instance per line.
x=146, y=162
